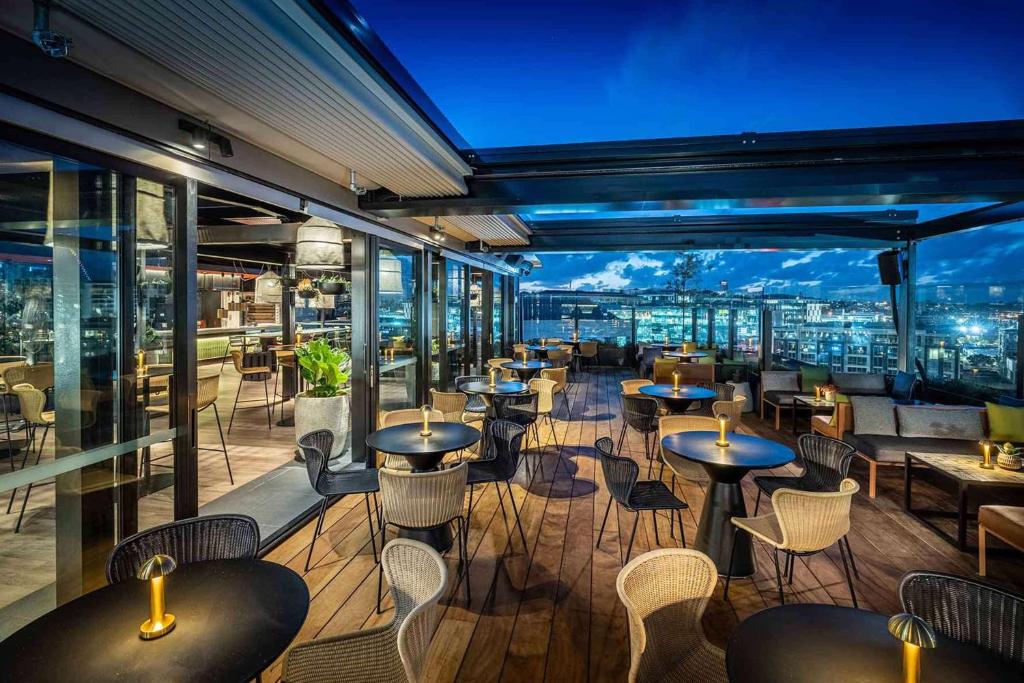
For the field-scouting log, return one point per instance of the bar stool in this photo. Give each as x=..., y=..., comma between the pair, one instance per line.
x=252, y=367
x=32, y=403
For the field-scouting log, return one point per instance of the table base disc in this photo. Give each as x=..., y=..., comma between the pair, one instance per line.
x=439, y=539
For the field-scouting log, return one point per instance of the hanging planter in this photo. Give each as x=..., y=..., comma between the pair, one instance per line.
x=331, y=285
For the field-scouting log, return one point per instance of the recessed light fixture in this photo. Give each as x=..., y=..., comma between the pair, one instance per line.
x=201, y=137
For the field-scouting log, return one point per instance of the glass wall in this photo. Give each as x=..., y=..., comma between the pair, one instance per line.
x=476, y=321
x=85, y=320
x=497, y=317
x=437, y=315
x=456, y=308
x=398, y=321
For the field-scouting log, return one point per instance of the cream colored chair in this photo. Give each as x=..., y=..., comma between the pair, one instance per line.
x=394, y=653
x=506, y=374
x=207, y=390
x=519, y=349
x=403, y=417
x=424, y=501
x=680, y=467
x=689, y=347
x=453, y=405
x=257, y=373
x=32, y=404
x=734, y=409
x=665, y=593
x=560, y=376
x=632, y=386
x=588, y=353
x=545, y=404
x=802, y=523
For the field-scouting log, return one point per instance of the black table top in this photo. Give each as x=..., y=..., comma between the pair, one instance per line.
x=528, y=365
x=233, y=618
x=498, y=388
x=813, y=643
x=751, y=452
x=687, y=392
x=406, y=440
x=538, y=347
x=684, y=354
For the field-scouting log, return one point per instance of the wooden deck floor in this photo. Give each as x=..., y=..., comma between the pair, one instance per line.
x=551, y=613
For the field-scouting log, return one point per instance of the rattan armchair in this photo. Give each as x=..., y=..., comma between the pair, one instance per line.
x=681, y=467
x=32, y=402
x=733, y=409
x=506, y=439
x=520, y=409
x=393, y=653
x=316, y=448
x=620, y=476
x=665, y=593
x=641, y=413
x=252, y=367
x=968, y=610
x=825, y=461
x=804, y=523
x=425, y=501
x=198, y=539
x=545, y=389
x=475, y=405
x=404, y=416
x=588, y=354
x=506, y=374
x=560, y=376
x=632, y=386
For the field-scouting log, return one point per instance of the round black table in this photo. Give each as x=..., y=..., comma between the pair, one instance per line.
x=542, y=351
x=528, y=369
x=726, y=466
x=233, y=618
x=691, y=356
x=814, y=643
x=485, y=390
x=678, y=401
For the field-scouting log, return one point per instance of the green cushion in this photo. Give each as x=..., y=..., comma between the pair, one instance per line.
x=840, y=398
x=1005, y=423
x=812, y=376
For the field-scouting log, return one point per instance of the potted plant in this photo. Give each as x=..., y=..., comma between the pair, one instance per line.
x=331, y=284
x=324, y=404
x=306, y=290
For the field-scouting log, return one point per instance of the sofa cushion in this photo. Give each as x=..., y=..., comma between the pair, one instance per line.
x=1005, y=423
x=780, y=380
x=1005, y=521
x=941, y=422
x=833, y=420
x=860, y=383
x=812, y=376
x=779, y=398
x=885, y=448
x=873, y=415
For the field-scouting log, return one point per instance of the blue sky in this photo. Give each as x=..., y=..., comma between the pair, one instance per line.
x=549, y=71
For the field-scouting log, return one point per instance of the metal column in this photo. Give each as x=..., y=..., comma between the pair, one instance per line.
x=908, y=308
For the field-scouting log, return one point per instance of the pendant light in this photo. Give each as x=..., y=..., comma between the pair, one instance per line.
x=319, y=244
x=389, y=277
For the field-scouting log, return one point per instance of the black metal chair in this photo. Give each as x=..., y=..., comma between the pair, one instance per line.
x=968, y=610
x=620, y=476
x=474, y=402
x=506, y=439
x=316, y=447
x=723, y=392
x=640, y=413
x=253, y=367
x=520, y=409
x=198, y=539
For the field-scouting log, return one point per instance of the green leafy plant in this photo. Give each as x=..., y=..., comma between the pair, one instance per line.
x=324, y=368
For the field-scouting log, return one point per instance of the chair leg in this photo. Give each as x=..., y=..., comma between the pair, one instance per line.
x=622, y=436
x=682, y=531
x=515, y=509
x=369, y=525
x=464, y=558
x=757, y=502
x=790, y=568
x=266, y=395
x=469, y=511
x=732, y=554
x=849, y=578
x=223, y=445
x=853, y=563
x=607, y=509
x=235, y=406
x=981, y=551
x=380, y=567
x=629, y=550
x=872, y=478
x=654, y=520
x=778, y=576
x=316, y=531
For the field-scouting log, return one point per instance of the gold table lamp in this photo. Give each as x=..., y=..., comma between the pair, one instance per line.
x=160, y=623
x=723, y=425
x=426, y=421
x=915, y=634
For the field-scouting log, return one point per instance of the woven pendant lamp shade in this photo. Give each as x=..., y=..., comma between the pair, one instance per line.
x=390, y=273
x=319, y=244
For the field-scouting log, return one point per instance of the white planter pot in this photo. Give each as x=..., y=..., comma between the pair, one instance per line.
x=313, y=413
x=743, y=389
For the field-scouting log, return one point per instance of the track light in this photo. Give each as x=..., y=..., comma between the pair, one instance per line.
x=201, y=138
x=436, y=231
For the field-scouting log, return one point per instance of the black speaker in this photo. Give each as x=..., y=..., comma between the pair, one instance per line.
x=889, y=268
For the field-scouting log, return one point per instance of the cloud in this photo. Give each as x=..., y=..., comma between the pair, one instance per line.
x=806, y=258
x=619, y=274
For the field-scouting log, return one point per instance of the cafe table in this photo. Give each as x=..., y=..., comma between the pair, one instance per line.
x=726, y=466
x=542, y=351
x=526, y=369
x=815, y=643
x=233, y=618
x=678, y=400
x=689, y=356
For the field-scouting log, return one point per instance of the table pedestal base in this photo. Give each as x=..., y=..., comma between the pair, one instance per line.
x=440, y=538
x=715, y=532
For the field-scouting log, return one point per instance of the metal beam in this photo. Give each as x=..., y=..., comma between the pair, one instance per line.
x=989, y=215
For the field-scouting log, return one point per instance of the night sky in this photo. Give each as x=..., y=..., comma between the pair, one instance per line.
x=544, y=71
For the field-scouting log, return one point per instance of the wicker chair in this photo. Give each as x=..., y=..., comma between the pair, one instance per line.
x=316, y=447
x=560, y=376
x=545, y=389
x=641, y=413
x=451, y=404
x=404, y=416
x=393, y=653
x=620, y=476
x=198, y=539
x=588, y=354
x=968, y=610
x=804, y=523
x=32, y=402
x=826, y=462
x=734, y=409
x=560, y=358
x=723, y=393
x=521, y=409
x=632, y=386
x=665, y=593
x=506, y=374
x=681, y=467
x=424, y=501
x=475, y=405
x=506, y=439
x=252, y=367
x=663, y=369
x=647, y=358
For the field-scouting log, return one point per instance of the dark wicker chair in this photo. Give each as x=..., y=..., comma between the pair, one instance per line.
x=216, y=537
x=316, y=446
x=474, y=402
x=520, y=409
x=640, y=413
x=723, y=392
x=620, y=476
x=968, y=610
x=506, y=439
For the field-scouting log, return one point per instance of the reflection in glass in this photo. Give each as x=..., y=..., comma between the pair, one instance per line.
x=398, y=322
x=456, y=320
x=497, y=318
x=476, y=321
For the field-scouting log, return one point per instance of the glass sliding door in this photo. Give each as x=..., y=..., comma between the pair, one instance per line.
x=398, y=324
x=497, y=317
x=86, y=320
x=476, y=321
x=436, y=322
x=456, y=306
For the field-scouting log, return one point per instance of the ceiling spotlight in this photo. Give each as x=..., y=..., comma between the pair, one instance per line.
x=197, y=136
x=223, y=144
x=436, y=231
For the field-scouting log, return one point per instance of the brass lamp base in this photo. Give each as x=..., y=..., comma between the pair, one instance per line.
x=722, y=444
x=426, y=433
x=986, y=466
x=149, y=631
